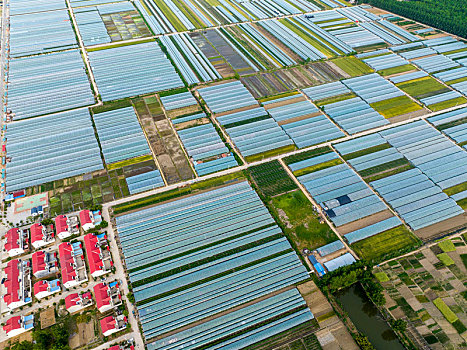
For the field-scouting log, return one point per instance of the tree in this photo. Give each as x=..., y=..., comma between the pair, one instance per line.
x=24, y=345
x=399, y=325
x=363, y=342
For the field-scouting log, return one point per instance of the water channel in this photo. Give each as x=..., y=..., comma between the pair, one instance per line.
x=367, y=318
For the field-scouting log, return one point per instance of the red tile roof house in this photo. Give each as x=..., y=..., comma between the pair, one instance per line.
x=72, y=264
x=18, y=324
x=86, y=219
x=111, y=325
x=43, y=289
x=107, y=296
x=76, y=302
x=17, y=284
x=16, y=242
x=44, y=264
x=41, y=235
x=66, y=226
x=98, y=254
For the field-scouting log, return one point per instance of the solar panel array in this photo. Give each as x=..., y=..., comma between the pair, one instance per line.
x=132, y=70
x=48, y=83
x=342, y=194
x=306, y=131
x=226, y=97
x=354, y=115
x=33, y=34
x=50, y=148
x=432, y=152
x=249, y=316
x=184, y=232
x=257, y=133
x=144, y=182
x=120, y=135
x=416, y=198
x=204, y=146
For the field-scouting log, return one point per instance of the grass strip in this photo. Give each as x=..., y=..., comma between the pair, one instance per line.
x=308, y=154
x=317, y=167
x=447, y=104
x=366, y=151
x=271, y=153
x=127, y=162
x=386, y=166
x=456, y=189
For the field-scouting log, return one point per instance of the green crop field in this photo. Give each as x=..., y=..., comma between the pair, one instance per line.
x=396, y=70
x=422, y=86
x=447, y=104
x=301, y=222
x=271, y=178
x=385, y=244
x=396, y=106
x=352, y=66
x=445, y=310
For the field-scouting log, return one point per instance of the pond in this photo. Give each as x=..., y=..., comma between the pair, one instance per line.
x=367, y=318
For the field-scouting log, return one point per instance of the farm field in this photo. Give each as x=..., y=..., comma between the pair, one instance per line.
x=247, y=159
x=428, y=288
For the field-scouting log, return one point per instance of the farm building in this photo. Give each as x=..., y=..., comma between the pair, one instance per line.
x=111, y=325
x=72, y=264
x=66, y=226
x=43, y=289
x=98, y=254
x=75, y=302
x=16, y=242
x=107, y=296
x=41, y=235
x=17, y=284
x=18, y=324
x=44, y=264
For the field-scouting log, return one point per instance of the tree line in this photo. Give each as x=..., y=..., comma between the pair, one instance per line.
x=448, y=15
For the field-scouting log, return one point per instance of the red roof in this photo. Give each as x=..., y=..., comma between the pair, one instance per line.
x=72, y=300
x=100, y=292
x=108, y=323
x=84, y=217
x=92, y=253
x=12, y=238
x=40, y=286
x=12, y=283
x=60, y=223
x=38, y=261
x=12, y=324
x=36, y=232
x=115, y=347
x=65, y=252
